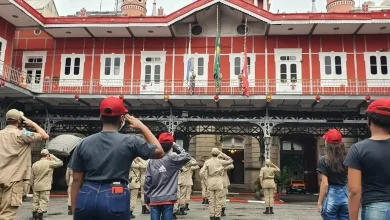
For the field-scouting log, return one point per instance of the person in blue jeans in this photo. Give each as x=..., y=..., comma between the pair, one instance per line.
x=161, y=180
x=101, y=165
x=368, y=163
x=333, y=196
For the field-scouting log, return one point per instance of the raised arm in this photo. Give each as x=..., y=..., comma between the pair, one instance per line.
x=276, y=167
x=56, y=163
x=203, y=171
x=195, y=167
x=229, y=167
x=135, y=164
x=228, y=160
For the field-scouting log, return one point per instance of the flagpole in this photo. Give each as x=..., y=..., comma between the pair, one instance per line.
x=218, y=89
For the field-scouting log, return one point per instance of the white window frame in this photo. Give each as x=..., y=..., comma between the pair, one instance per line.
x=288, y=87
x=2, y=54
x=378, y=80
x=201, y=81
x=155, y=89
x=71, y=79
x=26, y=56
x=333, y=79
x=112, y=80
x=251, y=71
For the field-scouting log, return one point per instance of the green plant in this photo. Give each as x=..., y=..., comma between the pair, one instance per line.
x=284, y=176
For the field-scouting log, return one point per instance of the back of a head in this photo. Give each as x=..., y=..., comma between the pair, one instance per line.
x=267, y=162
x=13, y=117
x=335, y=151
x=44, y=153
x=378, y=113
x=214, y=152
x=111, y=110
x=166, y=140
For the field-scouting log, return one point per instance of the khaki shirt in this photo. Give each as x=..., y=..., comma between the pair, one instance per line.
x=226, y=181
x=267, y=175
x=186, y=175
x=42, y=173
x=213, y=170
x=142, y=167
x=69, y=176
x=135, y=175
x=15, y=154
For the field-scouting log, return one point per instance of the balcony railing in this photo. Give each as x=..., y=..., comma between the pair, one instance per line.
x=180, y=87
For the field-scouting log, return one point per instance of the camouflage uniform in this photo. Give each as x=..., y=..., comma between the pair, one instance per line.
x=41, y=180
x=186, y=183
x=142, y=167
x=69, y=181
x=226, y=184
x=135, y=184
x=203, y=182
x=213, y=170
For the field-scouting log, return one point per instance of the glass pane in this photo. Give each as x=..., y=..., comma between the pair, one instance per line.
x=67, y=70
x=148, y=59
x=77, y=62
x=286, y=145
x=148, y=73
x=28, y=77
x=117, y=62
x=38, y=74
x=107, y=70
x=249, y=65
x=68, y=61
x=384, y=70
x=327, y=60
x=292, y=58
x=237, y=70
x=201, y=61
x=328, y=70
x=116, y=70
x=297, y=147
x=338, y=70
x=157, y=59
x=76, y=71
x=1, y=45
x=283, y=68
x=383, y=60
x=39, y=60
x=384, y=65
x=31, y=60
x=293, y=78
x=293, y=68
x=107, y=61
x=337, y=60
x=283, y=78
x=283, y=58
x=157, y=69
x=200, y=66
x=373, y=60
x=237, y=61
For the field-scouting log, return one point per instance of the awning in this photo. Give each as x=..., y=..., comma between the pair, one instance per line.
x=63, y=145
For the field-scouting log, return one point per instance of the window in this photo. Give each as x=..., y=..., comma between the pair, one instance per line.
x=152, y=72
x=232, y=142
x=200, y=67
x=236, y=67
x=333, y=66
x=288, y=70
x=377, y=69
x=3, y=47
x=290, y=146
x=72, y=69
x=112, y=70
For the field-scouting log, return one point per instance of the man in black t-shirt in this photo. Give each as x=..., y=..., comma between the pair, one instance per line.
x=101, y=165
x=369, y=167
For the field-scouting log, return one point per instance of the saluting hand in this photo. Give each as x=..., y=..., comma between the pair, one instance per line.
x=134, y=123
x=28, y=122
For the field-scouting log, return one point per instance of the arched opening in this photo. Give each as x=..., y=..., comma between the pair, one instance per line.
x=233, y=146
x=298, y=153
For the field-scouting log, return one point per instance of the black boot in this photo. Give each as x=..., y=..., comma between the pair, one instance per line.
x=223, y=212
x=35, y=216
x=204, y=201
x=174, y=216
x=40, y=216
x=207, y=201
x=182, y=212
x=186, y=208
x=271, y=210
x=266, y=211
x=145, y=210
x=69, y=210
x=212, y=218
x=131, y=214
x=217, y=218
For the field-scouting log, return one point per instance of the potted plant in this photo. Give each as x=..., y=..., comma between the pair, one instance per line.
x=283, y=179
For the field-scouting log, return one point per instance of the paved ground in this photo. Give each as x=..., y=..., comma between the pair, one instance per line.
x=235, y=211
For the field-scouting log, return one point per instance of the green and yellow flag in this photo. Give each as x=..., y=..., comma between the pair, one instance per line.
x=217, y=56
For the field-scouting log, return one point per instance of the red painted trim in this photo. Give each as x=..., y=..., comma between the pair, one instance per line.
x=193, y=6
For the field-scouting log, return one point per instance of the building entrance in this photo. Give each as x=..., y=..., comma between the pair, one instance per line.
x=236, y=175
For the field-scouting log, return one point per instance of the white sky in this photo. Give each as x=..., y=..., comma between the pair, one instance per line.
x=70, y=7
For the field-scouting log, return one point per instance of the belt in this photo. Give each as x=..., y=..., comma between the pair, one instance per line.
x=106, y=182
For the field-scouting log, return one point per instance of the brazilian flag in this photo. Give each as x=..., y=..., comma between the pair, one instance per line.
x=217, y=58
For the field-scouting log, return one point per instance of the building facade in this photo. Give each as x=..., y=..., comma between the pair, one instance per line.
x=307, y=73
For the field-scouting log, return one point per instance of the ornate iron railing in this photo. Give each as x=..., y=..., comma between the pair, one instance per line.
x=181, y=87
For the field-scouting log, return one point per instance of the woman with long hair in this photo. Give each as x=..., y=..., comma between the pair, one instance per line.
x=333, y=197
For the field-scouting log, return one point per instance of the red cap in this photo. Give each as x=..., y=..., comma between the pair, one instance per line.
x=112, y=106
x=165, y=137
x=380, y=106
x=333, y=136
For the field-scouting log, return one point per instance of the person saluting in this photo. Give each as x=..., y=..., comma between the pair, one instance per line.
x=101, y=165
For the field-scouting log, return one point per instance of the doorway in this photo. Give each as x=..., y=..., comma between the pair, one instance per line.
x=236, y=175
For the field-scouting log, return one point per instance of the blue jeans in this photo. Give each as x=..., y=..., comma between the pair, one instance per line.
x=376, y=211
x=95, y=201
x=335, y=204
x=163, y=212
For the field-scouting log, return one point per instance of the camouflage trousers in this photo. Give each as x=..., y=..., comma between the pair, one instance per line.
x=133, y=198
x=185, y=194
x=204, y=189
x=10, y=199
x=40, y=201
x=69, y=196
x=26, y=188
x=225, y=193
x=269, y=197
x=142, y=195
x=215, y=202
